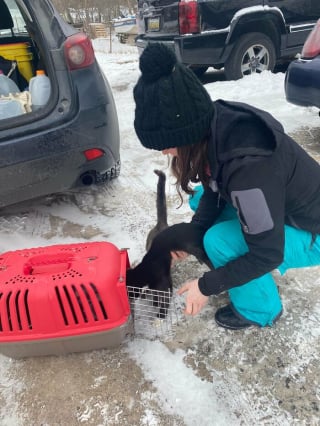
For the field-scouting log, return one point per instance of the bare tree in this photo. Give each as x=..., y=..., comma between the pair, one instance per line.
x=96, y=10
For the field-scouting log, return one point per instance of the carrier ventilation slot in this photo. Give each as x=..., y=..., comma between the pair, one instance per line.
x=1, y=328
x=80, y=304
x=21, y=279
x=30, y=253
x=72, y=273
x=15, y=314
x=74, y=249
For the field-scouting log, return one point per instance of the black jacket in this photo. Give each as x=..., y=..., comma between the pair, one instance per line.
x=268, y=178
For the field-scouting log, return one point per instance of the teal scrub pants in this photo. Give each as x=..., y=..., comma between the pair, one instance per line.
x=258, y=300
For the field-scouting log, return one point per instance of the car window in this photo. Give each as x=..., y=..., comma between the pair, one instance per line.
x=19, y=25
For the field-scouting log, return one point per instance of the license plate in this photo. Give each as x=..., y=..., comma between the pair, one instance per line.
x=154, y=24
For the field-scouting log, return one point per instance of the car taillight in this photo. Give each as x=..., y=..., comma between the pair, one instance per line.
x=78, y=51
x=311, y=46
x=188, y=17
x=93, y=153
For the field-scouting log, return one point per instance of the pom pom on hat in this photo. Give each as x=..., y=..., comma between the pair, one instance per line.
x=172, y=106
x=157, y=61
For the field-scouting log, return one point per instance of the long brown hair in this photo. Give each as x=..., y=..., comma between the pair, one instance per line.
x=190, y=166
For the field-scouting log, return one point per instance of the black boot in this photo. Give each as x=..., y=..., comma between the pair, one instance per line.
x=225, y=317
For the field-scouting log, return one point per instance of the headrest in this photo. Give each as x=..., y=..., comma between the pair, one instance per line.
x=6, y=22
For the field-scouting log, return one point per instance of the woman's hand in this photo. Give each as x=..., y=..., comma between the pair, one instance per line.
x=178, y=255
x=195, y=300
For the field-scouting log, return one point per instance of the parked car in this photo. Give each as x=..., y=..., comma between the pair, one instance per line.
x=71, y=140
x=243, y=36
x=302, y=82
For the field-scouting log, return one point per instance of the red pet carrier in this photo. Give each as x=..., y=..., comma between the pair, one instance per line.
x=64, y=298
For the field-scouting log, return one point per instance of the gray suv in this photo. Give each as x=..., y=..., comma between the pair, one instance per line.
x=73, y=138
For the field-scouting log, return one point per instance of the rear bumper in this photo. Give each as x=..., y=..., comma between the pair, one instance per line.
x=55, y=161
x=205, y=49
x=142, y=42
x=302, y=82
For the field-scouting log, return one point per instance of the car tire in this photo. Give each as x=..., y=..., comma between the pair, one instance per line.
x=246, y=59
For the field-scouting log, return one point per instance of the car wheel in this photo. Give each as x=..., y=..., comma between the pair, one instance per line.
x=253, y=53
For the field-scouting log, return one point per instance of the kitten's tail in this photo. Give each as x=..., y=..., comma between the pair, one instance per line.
x=162, y=216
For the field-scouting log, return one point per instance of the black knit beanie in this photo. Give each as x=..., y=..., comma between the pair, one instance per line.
x=172, y=106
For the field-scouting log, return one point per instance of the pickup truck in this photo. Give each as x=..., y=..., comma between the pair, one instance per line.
x=241, y=36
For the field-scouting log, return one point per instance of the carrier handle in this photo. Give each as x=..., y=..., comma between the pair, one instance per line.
x=46, y=268
x=53, y=268
x=53, y=263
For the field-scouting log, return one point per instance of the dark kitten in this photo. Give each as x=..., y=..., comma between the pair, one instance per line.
x=161, y=208
x=154, y=271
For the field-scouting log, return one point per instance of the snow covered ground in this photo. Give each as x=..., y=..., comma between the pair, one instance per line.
x=203, y=375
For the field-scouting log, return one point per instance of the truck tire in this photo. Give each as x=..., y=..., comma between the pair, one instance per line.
x=252, y=53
